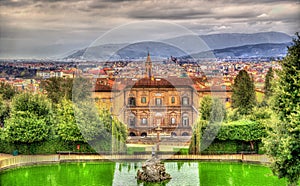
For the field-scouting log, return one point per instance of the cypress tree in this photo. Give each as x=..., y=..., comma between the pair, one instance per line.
x=268, y=86
x=282, y=143
x=243, y=96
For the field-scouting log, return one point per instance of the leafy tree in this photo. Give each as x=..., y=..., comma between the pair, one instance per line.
x=218, y=111
x=212, y=109
x=7, y=91
x=30, y=119
x=205, y=107
x=268, y=86
x=99, y=128
x=212, y=113
x=82, y=88
x=67, y=127
x=243, y=96
x=36, y=104
x=58, y=88
x=282, y=143
x=195, y=145
x=4, y=110
x=26, y=127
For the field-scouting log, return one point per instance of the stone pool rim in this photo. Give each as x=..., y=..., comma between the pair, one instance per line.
x=28, y=160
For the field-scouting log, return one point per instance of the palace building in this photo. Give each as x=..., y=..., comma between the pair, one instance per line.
x=147, y=103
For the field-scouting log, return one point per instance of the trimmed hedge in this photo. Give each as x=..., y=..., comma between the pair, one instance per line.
x=244, y=130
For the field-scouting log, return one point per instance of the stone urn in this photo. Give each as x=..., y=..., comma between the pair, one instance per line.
x=153, y=170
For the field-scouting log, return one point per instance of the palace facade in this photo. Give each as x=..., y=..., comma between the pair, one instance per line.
x=147, y=103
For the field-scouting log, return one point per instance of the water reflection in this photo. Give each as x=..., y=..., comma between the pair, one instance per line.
x=182, y=174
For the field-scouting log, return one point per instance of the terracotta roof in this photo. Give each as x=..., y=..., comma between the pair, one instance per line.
x=106, y=84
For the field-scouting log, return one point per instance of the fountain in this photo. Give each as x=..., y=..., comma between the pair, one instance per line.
x=153, y=170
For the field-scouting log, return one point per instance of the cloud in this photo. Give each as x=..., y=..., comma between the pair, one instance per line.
x=46, y=22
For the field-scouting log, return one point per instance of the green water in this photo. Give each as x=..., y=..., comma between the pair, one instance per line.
x=110, y=173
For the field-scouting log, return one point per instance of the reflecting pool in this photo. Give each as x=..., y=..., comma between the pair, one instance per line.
x=111, y=173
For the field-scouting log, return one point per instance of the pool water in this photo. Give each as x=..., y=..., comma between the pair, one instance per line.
x=111, y=173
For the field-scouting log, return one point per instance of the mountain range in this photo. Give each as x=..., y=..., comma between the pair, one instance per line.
x=227, y=45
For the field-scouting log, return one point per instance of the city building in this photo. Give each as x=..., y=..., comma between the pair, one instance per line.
x=146, y=103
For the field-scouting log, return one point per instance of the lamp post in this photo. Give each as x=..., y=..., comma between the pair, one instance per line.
x=158, y=130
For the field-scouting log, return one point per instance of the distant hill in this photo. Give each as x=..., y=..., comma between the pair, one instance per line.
x=258, y=50
x=123, y=51
x=267, y=44
x=220, y=41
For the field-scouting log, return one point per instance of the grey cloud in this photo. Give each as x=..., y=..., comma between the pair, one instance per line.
x=175, y=14
x=10, y=3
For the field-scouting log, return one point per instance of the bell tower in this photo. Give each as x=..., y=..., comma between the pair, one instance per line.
x=148, y=66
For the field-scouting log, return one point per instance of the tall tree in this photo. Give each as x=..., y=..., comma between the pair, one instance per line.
x=268, y=86
x=243, y=96
x=282, y=143
x=67, y=127
x=212, y=112
x=58, y=88
x=205, y=107
x=212, y=109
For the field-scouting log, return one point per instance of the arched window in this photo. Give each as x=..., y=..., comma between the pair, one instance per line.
x=185, y=134
x=132, y=134
x=144, y=134
x=173, y=120
x=131, y=101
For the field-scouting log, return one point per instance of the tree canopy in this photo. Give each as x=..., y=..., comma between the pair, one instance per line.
x=58, y=88
x=7, y=91
x=282, y=143
x=67, y=127
x=268, y=85
x=243, y=96
x=30, y=118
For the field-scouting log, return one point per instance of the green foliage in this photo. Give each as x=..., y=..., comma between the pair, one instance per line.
x=243, y=130
x=82, y=88
x=243, y=96
x=221, y=147
x=67, y=127
x=132, y=150
x=218, y=111
x=260, y=114
x=35, y=104
x=26, y=127
x=205, y=107
x=212, y=109
x=58, y=88
x=268, y=85
x=7, y=91
x=282, y=143
x=30, y=118
x=233, y=115
x=4, y=110
x=181, y=151
x=195, y=145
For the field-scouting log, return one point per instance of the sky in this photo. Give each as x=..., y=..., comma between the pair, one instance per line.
x=54, y=28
